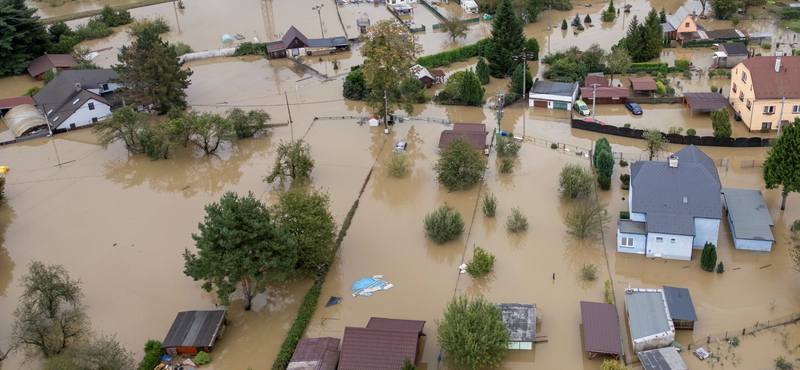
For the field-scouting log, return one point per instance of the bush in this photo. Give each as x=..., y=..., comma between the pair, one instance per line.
x=202, y=358
x=687, y=75
x=182, y=48
x=623, y=163
x=396, y=165
x=507, y=146
x=553, y=146
x=481, y=263
x=506, y=165
x=355, y=86
x=443, y=224
x=586, y=219
x=580, y=27
x=517, y=222
x=574, y=181
x=300, y=322
x=460, y=166
x=766, y=45
x=609, y=297
x=613, y=365
x=564, y=24
x=720, y=268
x=682, y=64
x=691, y=132
x=32, y=91
x=604, y=182
x=790, y=14
x=489, y=205
x=152, y=355
x=158, y=25
x=625, y=178
x=94, y=29
x=624, y=215
x=714, y=88
x=588, y=19
x=627, y=125
x=456, y=55
x=626, y=186
x=250, y=48
x=782, y=364
x=114, y=18
x=721, y=122
x=472, y=333
x=588, y=272
x=709, y=257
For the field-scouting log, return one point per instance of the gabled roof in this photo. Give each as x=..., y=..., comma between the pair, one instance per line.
x=768, y=84
x=679, y=302
x=194, y=329
x=62, y=96
x=520, y=320
x=605, y=92
x=15, y=101
x=373, y=349
x=291, y=35
x=600, y=80
x=472, y=127
x=728, y=33
x=554, y=88
x=601, y=328
x=643, y=83
x=421, y=72
x=382, y=323
x=476, y=138
x=315, y=354
x=662, y=359
x=749, y=214
x=676, y=19
x=734, y=48
x=47, y=62
x=647, y=313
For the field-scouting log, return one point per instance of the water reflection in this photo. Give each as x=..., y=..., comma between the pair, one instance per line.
x=7, y=216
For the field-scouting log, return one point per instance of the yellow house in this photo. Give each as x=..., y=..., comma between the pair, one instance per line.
x=758, y=88
x=680, y=25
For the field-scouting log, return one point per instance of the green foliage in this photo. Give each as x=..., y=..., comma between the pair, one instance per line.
x=588, y=272
x=782, y=167
x=605, y=163
x=516, y=83
x=782, y=364
x=22, y=37
x=576, y=21
x=714, y=88
x=389, y=57
x=623, y=163
x=488, y=206
x=586, y=219
x=152, y=355
x=625, y=178
x=355, y=86
x=250, y=48
x=588, y=19
x=604, y=182
x=157, y=25
x=460, y=54
x=574, y=181
x=209, y=130
x=507, y=38
x=57, y=29
x=482, y=70
x=508, y=146
x=248, y=124
x=663, y=15
x=93, y=29
x=618, y=61
x=462, y=88
x=460, y=166
x=720, y=268
x=517, y=222
x=293, y=160
x=50, y=75
x=766, y=45
x=506, y=165
x=181, y=48
x=566, y=70
x=613, y=365
x=553, y=146
x=609, y=297
x=644, y=40
x=721, y=122
x=306, y=215
x=660, y=90
x=408, y=365
x=125, y=125
x=531, y=49
x=625, y=215
x=454, y=26
x=682, y=64
x=239, y=243
x=656, y=144
x=675, y=130
x=610, y=13
x=481, y=262
x=114, y=18
x=691, y=132
x=32, y=91
x=564, y=24
x=601, y=144
x=443, y=224
x=3, y=190
x=396, y=165
x=790, y=14
x=202, y=358
x=709, y=257
x=473, y=334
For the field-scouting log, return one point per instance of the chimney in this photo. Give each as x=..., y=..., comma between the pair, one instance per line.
x=78, y=87
x=777, y=64
x=673, y=161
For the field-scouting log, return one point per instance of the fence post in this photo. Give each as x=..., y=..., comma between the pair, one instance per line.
x=708, y=341
x=743, y=330
x=726, y=335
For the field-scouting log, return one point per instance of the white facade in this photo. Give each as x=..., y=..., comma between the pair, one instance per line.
x=91, y=111
x=550, y=99
x=669, y=246
x=705, y=230
x=104, y=88
x=470, y=6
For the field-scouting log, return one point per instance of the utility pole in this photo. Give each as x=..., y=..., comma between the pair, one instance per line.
x=291, y=126
x=385, y=113
x=549, y=10
x=780, y=116
x=500, y=102
x=47, y=120
x=318, y=8
x=594, y=99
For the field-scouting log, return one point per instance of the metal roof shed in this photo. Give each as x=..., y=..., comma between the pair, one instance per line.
x=649, y=320
x=749, y=219
x=601, y=329
x=681, y=308
x=315, y=354
x=520, y=320
x=383, y=345
x=193, y=331
x=662, y=359
x=643, y=84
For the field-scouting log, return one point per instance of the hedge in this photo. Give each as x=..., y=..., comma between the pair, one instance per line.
x=152, y=355
x=790, y=14
x=451, y=56
x=705, y=43
x=250, y=48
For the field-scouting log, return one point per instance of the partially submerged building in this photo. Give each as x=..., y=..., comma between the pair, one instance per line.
x=25, y=120
x=315, y=354
x=553, y=95
x=601, y=333
x=605, y=95
x=383, y=345
x=749, y=219
x=294, y=43
x=423, y=75
x=193, y=332
x=50, y=62
x=681, y=308
x=520, y=320
x=474, y=134
x=643, y=85
x=729, y=54
x=77, y=98
x=662, y=359
x=680, y=26
x=649, y=319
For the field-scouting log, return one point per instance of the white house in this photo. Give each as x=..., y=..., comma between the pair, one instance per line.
x=77, y=98
x=674, y=206
x=553, y=95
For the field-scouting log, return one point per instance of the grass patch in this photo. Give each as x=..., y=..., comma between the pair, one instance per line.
x=588, y=272
x=792, y=25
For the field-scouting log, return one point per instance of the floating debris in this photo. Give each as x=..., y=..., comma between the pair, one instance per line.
x=333, y=301
x=366, y=286
x=463, y=268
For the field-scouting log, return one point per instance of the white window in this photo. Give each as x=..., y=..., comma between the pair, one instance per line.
x=76, y=101
x=796, y=109
x=56, y=119
x=744, y=76
x=626, y=242
x=660, y=240
x=770, y=109
x=49, y=112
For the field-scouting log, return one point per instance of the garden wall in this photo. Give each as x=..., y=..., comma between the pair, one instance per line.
x=741, y=142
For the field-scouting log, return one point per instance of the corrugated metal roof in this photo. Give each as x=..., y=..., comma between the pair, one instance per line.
x=605, y=92
x=749, y=214
x=679, y=302
x=15, y=101
x=194, y=329
x=601, y=328
x=734, y=48
x=382, y=323
x=676, y=19
x=476, y=138
x=520, y=320
x=372, y=349
x=647, y=314
x=662, y=359
x=706, y=100
x=24, y=119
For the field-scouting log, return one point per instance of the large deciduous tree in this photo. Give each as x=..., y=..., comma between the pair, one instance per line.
x=460, y=166
x=306, y=215
x=209, y=130
x=150, y=73
x=782, y=167
x=239, y=244
x=125, y=125
x=724, y=8
x=507, y=41
x=293, y=160
x=618, y=61
x=454, y=26
x=655, y=142
x=746, y=4
x=22, y=37
x=473, y=334
x=248, y=124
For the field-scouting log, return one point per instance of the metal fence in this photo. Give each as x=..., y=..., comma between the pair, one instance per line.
x=758, y=326
x=741, y=142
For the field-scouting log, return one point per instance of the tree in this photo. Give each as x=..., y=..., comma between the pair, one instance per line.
x=703, y=3
x=746, y=4
x=460, y=166
x=587, y=19
x=564, y=24
x=656, y=144
x=531, y=49
x=613, y=365
x=150, y=73
x=592, y=57
x=634, y=41
x=57, y=29
x=605, y=163
x=408, y=365
x=306, y=215
x=576, y=22
x=481, y=262
x=293, y=160
x=454, y=26
x=724, y=9
x=471, y=92
x=472, y=333
x=443, y=225
x=566, y=69
x=2, y=188
x=662, y=15
x=209, y=130
x=125, y=125
x=240, y=244
x=508, y=146
x=782, y=167
x=248, y=124
x=574, y=181
x=708, y=260
x=355, y=86
x=102, y=353
x=516, y=83
x=389, y=58
x=49, y=287
x=653, y=35
x=586, y=219
x=721, y=122
x=482, y=70
x=396, y=165
x=600, y=144
x=22, y=37
x=507, y=40
x=114, y=18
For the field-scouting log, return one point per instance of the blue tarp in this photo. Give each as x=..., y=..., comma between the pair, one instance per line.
x=362, y=284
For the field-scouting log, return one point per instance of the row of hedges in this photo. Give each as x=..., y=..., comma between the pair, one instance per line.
x=250, y=48
x=790, y=14
x=706, y=43
x=741, y=142
x=456, y=55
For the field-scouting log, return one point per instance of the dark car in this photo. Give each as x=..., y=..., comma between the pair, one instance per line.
x=634, y=108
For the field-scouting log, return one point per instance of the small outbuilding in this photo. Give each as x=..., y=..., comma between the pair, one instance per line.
x=553, y=95
x=681, y=308
x=315, y=354
x=438, y=76
x=47, y=62
x=24, y=120
x=648, y=318
x=605, y=95
x=194, y=331
x=383, y=345
x=730, y=54
x=600, y=81
x=520, y=320
x=704, y=101
x=643, y=85
x=362, y=24
x=662, y=359
x=8, y=103
x=423, y=75
x=475, y=134
x=601, y=334
x=749, y=219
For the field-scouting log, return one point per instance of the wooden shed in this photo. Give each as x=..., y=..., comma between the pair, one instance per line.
x=605, y=95
x=193, y=332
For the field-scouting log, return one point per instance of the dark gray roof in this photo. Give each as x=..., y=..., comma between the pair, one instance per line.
x=291, y=35
x=62, y=96
x=520, y=319
x=662, y=359
x=632, y=227
x=734, y=48
x=331, y=42
x=749, y=214
x=679, y=302
x=554, y=88
x=194, y=329
x=647, y=314
x=659, y=191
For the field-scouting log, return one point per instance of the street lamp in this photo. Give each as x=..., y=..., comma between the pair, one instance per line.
x=318, y=8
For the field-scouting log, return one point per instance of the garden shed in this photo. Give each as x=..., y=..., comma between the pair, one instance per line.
x=475, y=134
x=520, y=320
x=315, y=354
x=662, y=359
x=553, y=95
x=383, y=345
x=649, y=320
x=749, y=219
x=730, y=54
x=605, y=95
x=704, y=101
x=644, y=85
x=194, y=331
x=47, y=62
x=601, y=335
x=681, y=308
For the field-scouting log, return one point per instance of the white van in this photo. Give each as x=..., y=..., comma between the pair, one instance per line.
x=470, y=6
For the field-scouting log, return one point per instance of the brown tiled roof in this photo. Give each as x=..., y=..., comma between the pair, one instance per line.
x=47, y=62
x=471, y=127
x=13, y=102
x=768, y=84
x=315, y=354
x=643, y=83
x=437, y=72
x=606, y=92
x=600, y=328
x=381, y=323
x=373, y=349
x=705, y=100
x=589, y=80
x=476, y=138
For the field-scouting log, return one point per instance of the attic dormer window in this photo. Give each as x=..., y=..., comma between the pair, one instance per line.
x=76, y=101
x=56, y=119
x=49, y=112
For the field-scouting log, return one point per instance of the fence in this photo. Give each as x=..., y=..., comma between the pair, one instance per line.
x=654, y=100
x=744, y=331
x=434, y=11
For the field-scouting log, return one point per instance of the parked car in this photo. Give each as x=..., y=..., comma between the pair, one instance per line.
x=597, y=121
x=581, y=108
x=400, y=147
x=634, y=108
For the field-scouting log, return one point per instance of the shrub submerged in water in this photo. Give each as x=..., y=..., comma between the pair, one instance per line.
x=443, y=224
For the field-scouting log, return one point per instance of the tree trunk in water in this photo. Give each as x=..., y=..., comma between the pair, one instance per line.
x=248, y=293
x=783, y=202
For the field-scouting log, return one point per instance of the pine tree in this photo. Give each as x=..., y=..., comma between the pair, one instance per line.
x=507, y=40
x=588, y=19
x=653, y=35
x=708, y=260
x=471, y=90
x=482, y=70
x=532, y=49
x=782, y=167
x=516, y=84
x=22, y=37
x=564, y=24
x=576, y=21
x=634, y=41
x=662, y=15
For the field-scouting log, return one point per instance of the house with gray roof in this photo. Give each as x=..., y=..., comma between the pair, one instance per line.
x=520, y=320
x=553, y=95
x=680, y=26
x=749, y=219
x=674, y=206
x=662, y=359
x=681, y=308
x=649, y=319
x=77, y=98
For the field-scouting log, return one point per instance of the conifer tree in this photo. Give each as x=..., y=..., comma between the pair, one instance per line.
x=507, y=40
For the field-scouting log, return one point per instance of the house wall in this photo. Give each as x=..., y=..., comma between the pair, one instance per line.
x=748, y=244
x=733, y=60
x=754, y=117
x=599, y=101
x=705, y=230
x=691, y=28
x=680, y=250
x=559, y=98
x=83, y=116
x=639, y=243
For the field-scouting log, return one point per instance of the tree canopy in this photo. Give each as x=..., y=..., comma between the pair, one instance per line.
x=507, y=42
x=454, y=26
x=460, y=166
x=644, y=41
x=473, y=334
x=656, y=143
x=293, y=160
x=306, y=215
x=782, y=167
x=22, y=37
x=721, y=122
